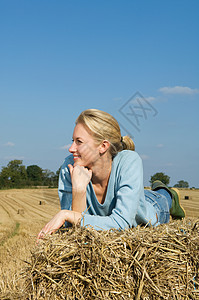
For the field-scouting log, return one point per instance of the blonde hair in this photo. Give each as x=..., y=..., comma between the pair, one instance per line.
x=103, y=126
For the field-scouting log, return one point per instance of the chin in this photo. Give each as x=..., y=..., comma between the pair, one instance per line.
x=79, y=163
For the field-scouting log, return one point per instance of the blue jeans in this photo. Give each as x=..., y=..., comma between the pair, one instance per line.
x=161, y=201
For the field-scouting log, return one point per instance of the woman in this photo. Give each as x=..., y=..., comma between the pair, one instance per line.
x=101, y=183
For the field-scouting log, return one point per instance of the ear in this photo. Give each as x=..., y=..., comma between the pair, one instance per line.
x=104, y=146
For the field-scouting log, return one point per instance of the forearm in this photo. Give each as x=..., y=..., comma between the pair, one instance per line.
x=78, y=200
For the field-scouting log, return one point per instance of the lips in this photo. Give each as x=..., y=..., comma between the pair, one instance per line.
x=76, y=157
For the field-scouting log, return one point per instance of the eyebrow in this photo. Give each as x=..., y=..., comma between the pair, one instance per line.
x=78, y=137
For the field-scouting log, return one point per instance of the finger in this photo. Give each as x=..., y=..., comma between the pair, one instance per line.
x=43, y=234
x=81, y=169
x=70, y=168
x=40, y=236
x=88, y=173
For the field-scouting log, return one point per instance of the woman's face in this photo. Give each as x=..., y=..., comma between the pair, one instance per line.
x=84, y=148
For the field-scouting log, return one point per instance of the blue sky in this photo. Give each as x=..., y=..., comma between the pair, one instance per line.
x=58, y=58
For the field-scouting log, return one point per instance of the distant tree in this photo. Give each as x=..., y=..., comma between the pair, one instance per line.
x=182, y=184
x=1, y=181
x=160, y=176
x=35, y=175
x=49, y=178
x=14, y=175
x=57, y=174
x=56, y=178
x=5, y=178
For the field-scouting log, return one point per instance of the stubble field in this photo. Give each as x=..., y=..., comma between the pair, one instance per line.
x=22, y=215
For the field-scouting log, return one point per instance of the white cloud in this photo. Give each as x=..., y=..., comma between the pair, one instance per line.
x=66, y=147
x=144, y=156
x=179, y=90
x=9, y=144
x=160, y=146
x=150, y=99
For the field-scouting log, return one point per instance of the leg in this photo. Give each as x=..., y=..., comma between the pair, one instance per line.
x=176, y=210
x=167, y=195
x=160, y=204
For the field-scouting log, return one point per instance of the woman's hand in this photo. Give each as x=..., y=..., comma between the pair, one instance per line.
x=58, y=220
x=55, y=223
x=80, y=177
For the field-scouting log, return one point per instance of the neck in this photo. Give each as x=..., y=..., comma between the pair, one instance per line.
x=101, y=171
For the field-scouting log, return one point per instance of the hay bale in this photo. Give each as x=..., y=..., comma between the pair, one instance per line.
x=187, y=198
x=20, y=211
x=138, y=263
x=42, y=202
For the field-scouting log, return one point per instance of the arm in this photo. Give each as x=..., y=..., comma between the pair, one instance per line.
x=72, y=186
x=80, y=178
x=129, y=194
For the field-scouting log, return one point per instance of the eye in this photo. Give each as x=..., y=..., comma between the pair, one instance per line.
x=78, y=142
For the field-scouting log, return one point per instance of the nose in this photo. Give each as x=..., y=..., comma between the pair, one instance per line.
x=72, y=148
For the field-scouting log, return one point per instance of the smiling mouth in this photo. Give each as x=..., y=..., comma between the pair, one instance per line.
x=76, y=156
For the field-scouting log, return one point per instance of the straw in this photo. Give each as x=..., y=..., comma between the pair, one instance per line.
x=137, y=263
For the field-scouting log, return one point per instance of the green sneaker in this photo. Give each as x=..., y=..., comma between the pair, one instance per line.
x=176, y=211
x=157, y=184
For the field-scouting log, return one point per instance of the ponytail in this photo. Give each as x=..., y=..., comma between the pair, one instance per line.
x=127, y=143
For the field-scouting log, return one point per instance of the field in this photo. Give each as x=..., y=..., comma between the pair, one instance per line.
x=22, y=215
